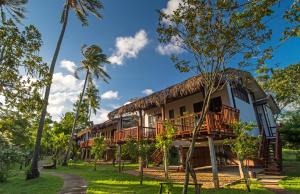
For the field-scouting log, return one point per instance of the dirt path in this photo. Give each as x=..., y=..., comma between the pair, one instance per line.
x=73, y=184
x=271, y=183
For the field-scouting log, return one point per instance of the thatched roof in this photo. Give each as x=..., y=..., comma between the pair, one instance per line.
x=185, y=88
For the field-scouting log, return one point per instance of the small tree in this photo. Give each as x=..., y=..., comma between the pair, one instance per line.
x=98, y=149
x=163, y=142
x=244, y=146
x=130, y=149
x=290, y=131
x=215, y=35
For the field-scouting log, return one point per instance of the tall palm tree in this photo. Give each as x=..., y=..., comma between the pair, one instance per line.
x=15, y=8
x=93, y=64
x=81, y=8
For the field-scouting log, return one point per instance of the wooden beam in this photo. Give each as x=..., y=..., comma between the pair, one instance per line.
x=213, y=161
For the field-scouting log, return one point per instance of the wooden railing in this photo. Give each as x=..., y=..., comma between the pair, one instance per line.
x=215, y=122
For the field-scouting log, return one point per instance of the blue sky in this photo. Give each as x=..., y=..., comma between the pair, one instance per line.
x=132, y=24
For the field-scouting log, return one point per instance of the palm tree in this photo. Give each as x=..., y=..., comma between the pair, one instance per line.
x=13, y=7
x=81, y=8
x=93, y=64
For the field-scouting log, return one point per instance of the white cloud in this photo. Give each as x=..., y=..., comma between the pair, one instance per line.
x=128, y=47
x=101, y=116
x=65, y=90
x=68, y=65
x=172, y=5
x=174, y=47
x=147, y=91
x=110, y=95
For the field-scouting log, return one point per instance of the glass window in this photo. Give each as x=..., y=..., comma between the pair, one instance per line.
x=182, y=110
x=241, y=93
x=197, y=107
x=215, y=104
x=171, y=114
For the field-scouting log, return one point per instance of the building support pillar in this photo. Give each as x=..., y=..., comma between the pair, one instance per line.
x=140, y=137
x=119, y=156
x=181, y=158
x=213, y=161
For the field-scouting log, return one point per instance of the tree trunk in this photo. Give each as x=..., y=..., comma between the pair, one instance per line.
x=166, y=163
x=141, y=166
x=244, y=175
x=119, y=156
x=65, y=163
x=213, y=161
x=34, y=172
x=188, y=166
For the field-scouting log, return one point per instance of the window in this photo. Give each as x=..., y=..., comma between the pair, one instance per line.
x=171, y=114
x=182, y=110
x=215, y=104
x=152, y=121
x=241, y=93
x=197, y=107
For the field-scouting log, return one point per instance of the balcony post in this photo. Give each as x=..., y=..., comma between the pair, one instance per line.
x=140, y=127
x=140, y=137
x=213, y=161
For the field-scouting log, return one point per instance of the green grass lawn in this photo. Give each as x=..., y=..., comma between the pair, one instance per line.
x=46, y=184
x=107, y=180
x=291, y=168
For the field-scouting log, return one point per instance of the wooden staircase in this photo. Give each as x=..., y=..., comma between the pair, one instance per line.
x=272, y=155
x=157, y=157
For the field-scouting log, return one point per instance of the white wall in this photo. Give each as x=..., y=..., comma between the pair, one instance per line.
x=247, y=113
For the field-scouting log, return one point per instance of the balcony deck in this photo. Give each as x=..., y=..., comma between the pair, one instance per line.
x=216, y=123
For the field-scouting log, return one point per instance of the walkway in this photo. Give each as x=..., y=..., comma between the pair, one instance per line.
x=73, y=184
x=271, y=182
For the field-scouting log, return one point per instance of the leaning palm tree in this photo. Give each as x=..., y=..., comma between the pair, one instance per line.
x=15, y=8
x=93, y=64
x=81, y=8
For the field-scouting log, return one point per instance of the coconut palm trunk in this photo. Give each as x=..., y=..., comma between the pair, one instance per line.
x=65, y=162
x=34, y=172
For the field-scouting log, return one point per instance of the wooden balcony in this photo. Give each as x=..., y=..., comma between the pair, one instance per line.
x=135, y=133
x=215, y=123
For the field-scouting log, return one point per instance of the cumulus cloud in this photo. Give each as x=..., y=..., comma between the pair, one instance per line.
x=172, y=5
x=65, y=90
x=68, y=65
x=101, y=116
x=147, y=91
x=128, y=47
x=171, y=48
x=110, y=95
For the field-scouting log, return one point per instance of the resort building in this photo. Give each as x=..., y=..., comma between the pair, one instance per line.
x=238, y=98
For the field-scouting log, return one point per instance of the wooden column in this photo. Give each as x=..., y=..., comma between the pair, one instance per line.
x=119, y=156
x=140, y=137
x=181, y=158
x=163, y=112
x=213, y=161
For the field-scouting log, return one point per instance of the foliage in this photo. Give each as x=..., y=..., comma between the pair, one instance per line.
x=163, y=142
x=243, y=145
x=13, y=7
x=9, y=156
x=290, y=131
x=292, y=16
x=22, y=72
x=130, y=150
x=284, y=85
x=98, y=148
